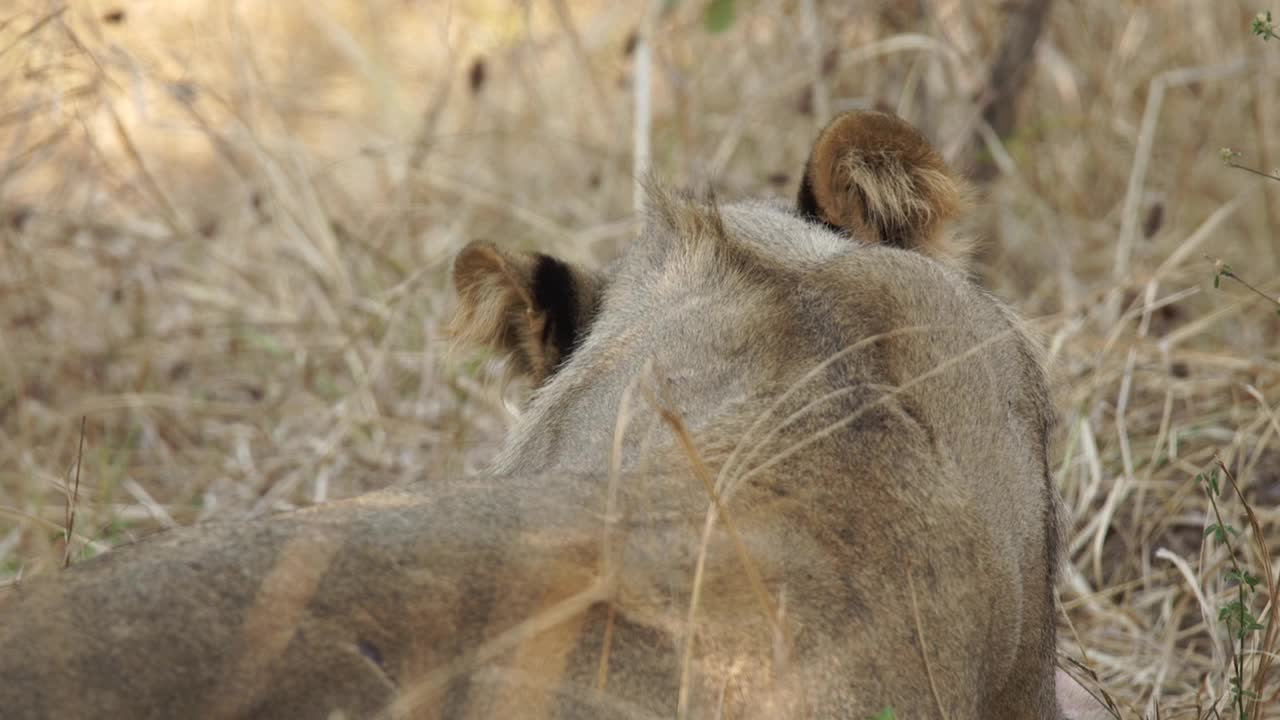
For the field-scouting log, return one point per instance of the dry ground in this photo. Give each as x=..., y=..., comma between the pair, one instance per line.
x=225, y=229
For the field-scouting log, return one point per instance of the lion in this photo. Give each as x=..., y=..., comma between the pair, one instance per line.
x=779, y=460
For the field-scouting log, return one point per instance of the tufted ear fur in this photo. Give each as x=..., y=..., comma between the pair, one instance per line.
x=873, y=176
x=530, y=306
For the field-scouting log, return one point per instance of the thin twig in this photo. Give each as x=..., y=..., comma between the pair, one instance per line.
x=754, y=579
x=1222, y=269
x=1259, y=173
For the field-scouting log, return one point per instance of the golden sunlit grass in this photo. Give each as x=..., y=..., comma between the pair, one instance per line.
x=225, y=231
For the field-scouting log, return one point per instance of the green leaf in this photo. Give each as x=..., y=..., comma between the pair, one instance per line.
x=885, y=714
x=1244, y=577
x=719, y=15
x=1250, y=622
x=1219, y=532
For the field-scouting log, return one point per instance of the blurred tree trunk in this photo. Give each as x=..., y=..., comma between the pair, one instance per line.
x=1008, y=74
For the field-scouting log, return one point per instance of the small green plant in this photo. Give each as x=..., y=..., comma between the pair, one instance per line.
x=1237, y=614
x=1229, y=157
x=1220, y=269
x=885, y=714
x=1223, y=270
x=1262, y=26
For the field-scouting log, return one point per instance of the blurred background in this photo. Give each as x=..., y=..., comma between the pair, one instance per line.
x=226, y=228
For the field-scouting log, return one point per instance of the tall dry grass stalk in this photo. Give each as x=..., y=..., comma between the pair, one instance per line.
x=225, y=231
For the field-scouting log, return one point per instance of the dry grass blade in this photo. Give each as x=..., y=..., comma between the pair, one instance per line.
x=419, y=692
x=1207, y=613
x=924, y=647
x=1102, y=696
x=852, y=417
x=1146, y=142
x=756, y=582
x=48, y=525
x=795, y=387
x=73, y=498
x=608, y=553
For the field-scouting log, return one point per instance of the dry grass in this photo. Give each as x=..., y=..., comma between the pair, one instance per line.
x=224, y=237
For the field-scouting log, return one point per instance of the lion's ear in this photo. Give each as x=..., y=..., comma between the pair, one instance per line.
x=529, y=306
x=875, y=177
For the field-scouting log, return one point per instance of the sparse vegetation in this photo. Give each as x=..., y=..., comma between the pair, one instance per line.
x=224, y=231
x=1223, y=270
x=1237, y=614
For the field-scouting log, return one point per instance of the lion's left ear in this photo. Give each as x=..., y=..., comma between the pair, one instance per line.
x=875, y=177
x=532, y=307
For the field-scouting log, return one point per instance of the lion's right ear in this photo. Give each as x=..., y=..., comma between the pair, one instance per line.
x=873, y=176
x=529, y=306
